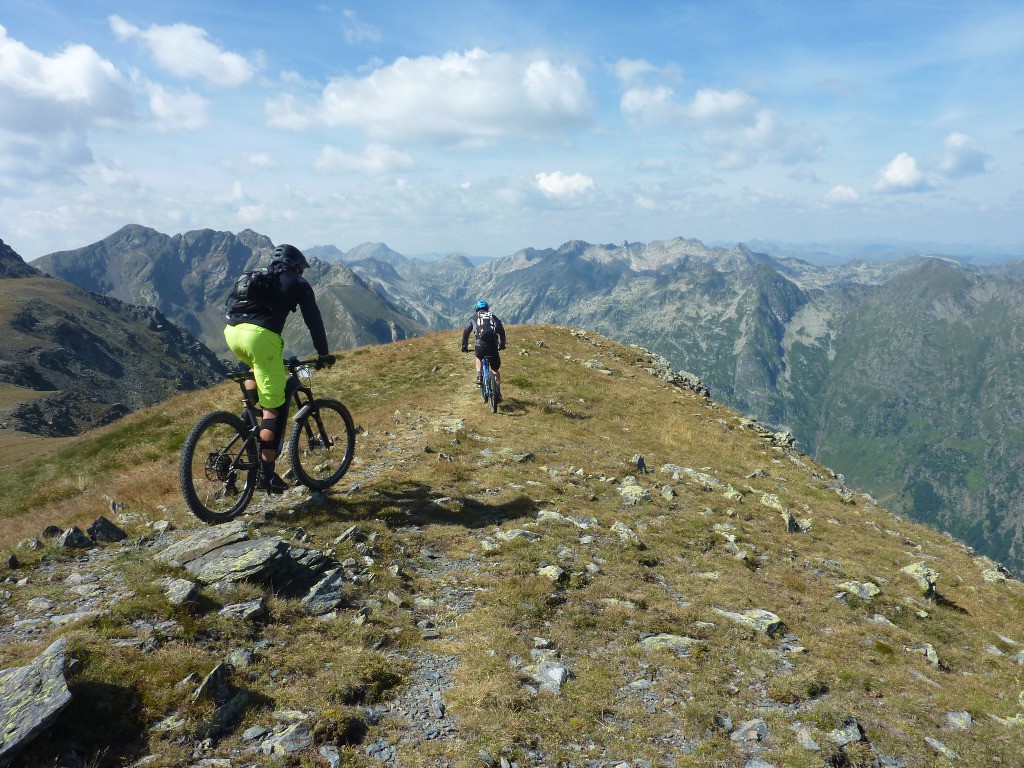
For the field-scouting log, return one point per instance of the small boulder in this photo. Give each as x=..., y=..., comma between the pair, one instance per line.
x=102, y=530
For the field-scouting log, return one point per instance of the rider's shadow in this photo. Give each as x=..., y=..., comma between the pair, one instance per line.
x=413, y=503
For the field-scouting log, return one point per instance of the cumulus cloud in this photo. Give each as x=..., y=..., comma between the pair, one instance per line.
x=560, y=184
x=963, y=157
x=456, y=98
x=177, y=111
x=902, y=175
x=841, y=194
x=374, y=160
x=186, y=52
x=43, y=95
x=734, y=128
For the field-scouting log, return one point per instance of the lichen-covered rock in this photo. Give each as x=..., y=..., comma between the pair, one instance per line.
x=866, y=591
x=324, y=596
x=756, y=619
x=627, y=536
x=204, y=541
x=31, y=698
x=239, y=561
x=548, y=675
x=677, y=644
x=634, y=494
x=923, y=575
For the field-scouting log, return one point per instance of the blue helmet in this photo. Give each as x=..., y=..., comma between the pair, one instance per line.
x=481, y=305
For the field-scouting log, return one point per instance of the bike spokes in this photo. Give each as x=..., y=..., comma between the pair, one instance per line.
x=322, y=444
x=218, y=467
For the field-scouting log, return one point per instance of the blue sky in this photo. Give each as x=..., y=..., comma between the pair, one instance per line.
x=486, y=127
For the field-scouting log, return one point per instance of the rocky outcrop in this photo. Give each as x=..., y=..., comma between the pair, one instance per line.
x=31, y=697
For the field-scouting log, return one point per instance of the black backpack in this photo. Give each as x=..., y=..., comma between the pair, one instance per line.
x=255, y=291
x=486, y=330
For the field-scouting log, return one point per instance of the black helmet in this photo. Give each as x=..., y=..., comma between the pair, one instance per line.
x=291, y=257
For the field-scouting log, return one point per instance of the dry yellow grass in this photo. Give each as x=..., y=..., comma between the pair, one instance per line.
x=423, y=478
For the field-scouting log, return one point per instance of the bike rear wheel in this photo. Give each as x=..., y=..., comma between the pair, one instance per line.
x=322, y=444
x=492, y=392
x=218, y=467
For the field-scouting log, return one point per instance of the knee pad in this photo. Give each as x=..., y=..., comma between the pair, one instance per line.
x=271, y=426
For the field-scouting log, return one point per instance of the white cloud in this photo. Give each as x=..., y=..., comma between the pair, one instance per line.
x=458, y=97
x=734, y=128
x=902, y=175
x=559, y=184
x=963, y=157
x=186, y=52
x=43, y=95
x=177, y=111
x=374, y=160
x=630, y=71
x=656, y=104
x=842, y=195
x=356, y=31
x=722, y=106
x=115, y=174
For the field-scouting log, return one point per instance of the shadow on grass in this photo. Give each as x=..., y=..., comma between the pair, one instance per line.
x=102, y=726
x=412, y=503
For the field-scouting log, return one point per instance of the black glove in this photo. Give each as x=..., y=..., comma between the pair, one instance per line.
x=501, y=347
x=465, y=349
x=324, y=361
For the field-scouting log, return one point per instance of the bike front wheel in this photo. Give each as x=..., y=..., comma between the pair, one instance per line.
x=322, y=444
x=218, y=467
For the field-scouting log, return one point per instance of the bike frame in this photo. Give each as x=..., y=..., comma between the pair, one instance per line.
x=294, y=389
x=485, y=371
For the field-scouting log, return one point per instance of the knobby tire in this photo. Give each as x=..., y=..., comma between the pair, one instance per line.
x=218, y=467
x=492, y=394
x=322, y=444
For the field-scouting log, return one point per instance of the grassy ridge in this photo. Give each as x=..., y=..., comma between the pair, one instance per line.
x=437, y=472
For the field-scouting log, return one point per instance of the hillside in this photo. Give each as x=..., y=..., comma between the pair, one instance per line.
x=189, y=276
x=903, y=375
x=71, y=360
x=612, y=570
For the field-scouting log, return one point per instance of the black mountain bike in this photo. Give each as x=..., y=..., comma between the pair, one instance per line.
x=488, y=385
x=220, y=460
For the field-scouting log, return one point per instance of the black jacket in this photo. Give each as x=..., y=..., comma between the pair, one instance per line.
x=499, y=332
x=295, y=293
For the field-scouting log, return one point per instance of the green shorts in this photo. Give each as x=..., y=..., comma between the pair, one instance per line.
x=263, y=351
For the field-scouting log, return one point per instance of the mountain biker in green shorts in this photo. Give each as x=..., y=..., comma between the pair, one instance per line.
x=253, y=333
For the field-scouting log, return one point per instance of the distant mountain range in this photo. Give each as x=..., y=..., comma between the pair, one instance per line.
x=905, y=376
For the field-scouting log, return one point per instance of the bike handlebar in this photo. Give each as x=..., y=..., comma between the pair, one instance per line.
x=293, y=363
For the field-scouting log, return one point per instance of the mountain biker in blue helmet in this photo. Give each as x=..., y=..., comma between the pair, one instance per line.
x=253, y=333
x=490, y=338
